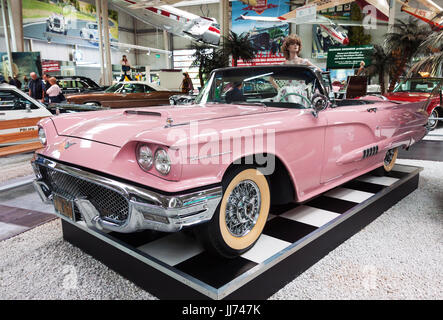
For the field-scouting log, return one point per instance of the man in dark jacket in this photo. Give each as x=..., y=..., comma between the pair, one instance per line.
x=235, y=95
x=11, y=81
x=47, y=85
x=36, y=87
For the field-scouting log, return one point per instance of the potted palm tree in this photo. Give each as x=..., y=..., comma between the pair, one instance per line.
x=432, y=53
x=239, y=47
x=402, y=44
x=207, y=58
x=381, y=62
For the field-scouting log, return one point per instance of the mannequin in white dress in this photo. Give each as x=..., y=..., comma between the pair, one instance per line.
x=291, y=49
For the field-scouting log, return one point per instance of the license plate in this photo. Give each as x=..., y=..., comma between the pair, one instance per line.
x=64, y=206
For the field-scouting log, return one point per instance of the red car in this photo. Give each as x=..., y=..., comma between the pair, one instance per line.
x=421, y=89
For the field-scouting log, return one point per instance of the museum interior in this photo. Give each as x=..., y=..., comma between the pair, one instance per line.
x=221, y=149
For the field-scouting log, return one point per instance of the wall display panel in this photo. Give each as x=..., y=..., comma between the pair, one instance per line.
x=267, y=37
x=23, y=63
x=65, y=22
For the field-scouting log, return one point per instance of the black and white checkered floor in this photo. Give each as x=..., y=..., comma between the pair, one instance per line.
x=182, y=257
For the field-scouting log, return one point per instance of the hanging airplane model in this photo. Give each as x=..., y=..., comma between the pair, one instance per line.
x=428, y=16
x=150, y=3
x=331, y=28
x=173, y=20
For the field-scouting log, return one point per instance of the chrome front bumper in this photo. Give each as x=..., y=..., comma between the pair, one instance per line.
x=146, y=209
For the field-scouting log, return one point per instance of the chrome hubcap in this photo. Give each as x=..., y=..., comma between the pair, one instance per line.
x=243, y=208
x=432, y=119
x=389, y=156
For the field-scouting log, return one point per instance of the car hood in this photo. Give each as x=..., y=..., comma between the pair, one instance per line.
x=116, y=127
x=407, y=96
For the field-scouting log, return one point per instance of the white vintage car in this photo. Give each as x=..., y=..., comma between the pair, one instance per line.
x=90, y=32
x=19, y=114
x=57, y=23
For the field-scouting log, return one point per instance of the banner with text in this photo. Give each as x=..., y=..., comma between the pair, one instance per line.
x=349, y=57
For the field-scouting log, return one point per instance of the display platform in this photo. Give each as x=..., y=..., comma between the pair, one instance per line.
x=175, y=266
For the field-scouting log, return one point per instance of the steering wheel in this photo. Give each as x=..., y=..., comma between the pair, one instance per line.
x=18, y=105
x=319, y=101
x=295, y=94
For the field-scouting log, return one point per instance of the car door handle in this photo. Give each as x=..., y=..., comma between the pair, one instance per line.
x=372, y=110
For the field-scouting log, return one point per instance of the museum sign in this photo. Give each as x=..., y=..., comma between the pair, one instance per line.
x=349, y=57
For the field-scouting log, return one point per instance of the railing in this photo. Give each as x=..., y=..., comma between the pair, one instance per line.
x=19, y=142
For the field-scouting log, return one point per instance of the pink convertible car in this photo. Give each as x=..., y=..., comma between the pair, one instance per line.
x=255, y=137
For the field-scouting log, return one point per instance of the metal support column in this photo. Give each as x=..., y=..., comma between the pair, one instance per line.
x=15, y=20
x=7, y=37
x=100, y=42
x=106, y=45
x=166, y=47
x=391, y=22
x=134, y=23
x=224, y=19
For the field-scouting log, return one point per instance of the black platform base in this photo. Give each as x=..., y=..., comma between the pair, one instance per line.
x=175, y=266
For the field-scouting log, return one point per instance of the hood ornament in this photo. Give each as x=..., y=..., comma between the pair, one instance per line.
x=68, y=144
x=169, y=122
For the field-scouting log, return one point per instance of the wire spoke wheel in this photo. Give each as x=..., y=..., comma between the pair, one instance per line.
x=390, y=158
x=241, y=215
x=243, y=208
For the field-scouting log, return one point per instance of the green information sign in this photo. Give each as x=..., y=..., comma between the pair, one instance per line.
x=349, y=57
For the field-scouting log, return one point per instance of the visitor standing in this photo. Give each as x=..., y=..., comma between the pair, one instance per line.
x=36, y=87
x=47, y=85
x=186, y=85
x=54, y=92
x=126, y=67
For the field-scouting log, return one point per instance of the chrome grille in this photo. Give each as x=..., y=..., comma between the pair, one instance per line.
x=111, y=205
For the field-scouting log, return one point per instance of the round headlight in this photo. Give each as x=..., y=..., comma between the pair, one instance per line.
x=162, y=161
x=42, y=135
x=144, y=157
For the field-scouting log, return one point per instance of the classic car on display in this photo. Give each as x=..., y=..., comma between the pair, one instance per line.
x=77, y=84
x=126, y=94
x=19, y=114
x=421, y=89
x=182, y=99
x=217, y=166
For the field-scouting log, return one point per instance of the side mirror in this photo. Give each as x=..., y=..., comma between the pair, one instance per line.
x=319, y=103
x=28, y=108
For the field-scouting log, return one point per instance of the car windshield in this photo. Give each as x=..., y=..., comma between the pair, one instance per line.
x=91, y=83
x=93, y=26
x=115, y=87
x=276, y=86
x=417, y=85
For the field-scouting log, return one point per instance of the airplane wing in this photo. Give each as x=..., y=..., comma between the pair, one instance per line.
x=431, y=5
x=319, y=20
x=381, y=5
x=154, y=3
x=321, y=5
x=265, y=19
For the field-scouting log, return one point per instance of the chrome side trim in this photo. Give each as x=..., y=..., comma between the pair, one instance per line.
x=146, y=209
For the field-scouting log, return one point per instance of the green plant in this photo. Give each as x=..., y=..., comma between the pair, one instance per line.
x=381, y=62
x=402, y=44
x=430, y=53
x=207, y=58
x=357, y=36
x=239, y=47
